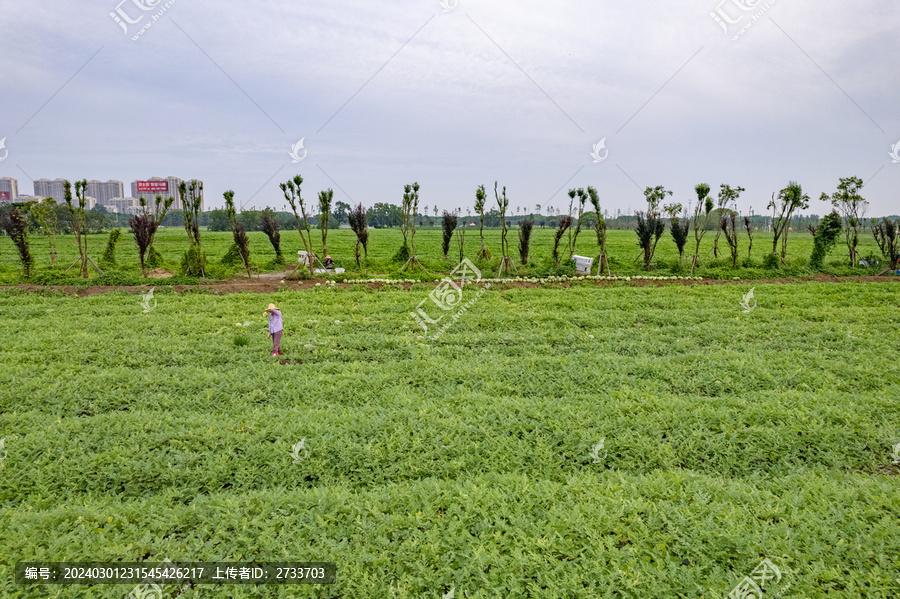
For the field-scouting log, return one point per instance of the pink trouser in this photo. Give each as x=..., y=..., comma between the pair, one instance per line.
x=276, y=342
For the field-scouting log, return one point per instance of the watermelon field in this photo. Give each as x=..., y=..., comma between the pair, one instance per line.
x=569, y=439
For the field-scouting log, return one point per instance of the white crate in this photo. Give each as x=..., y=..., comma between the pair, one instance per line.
x=583, y=264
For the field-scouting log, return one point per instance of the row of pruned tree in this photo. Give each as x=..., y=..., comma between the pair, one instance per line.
x=848, y=217
x=849, y=212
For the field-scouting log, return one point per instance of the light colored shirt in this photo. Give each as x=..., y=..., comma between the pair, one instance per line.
x=275, y=321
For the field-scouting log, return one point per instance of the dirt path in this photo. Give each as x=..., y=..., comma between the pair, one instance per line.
x=271, y=283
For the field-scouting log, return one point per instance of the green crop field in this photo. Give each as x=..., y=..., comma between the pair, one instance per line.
x=470, y=465
x=624, y=254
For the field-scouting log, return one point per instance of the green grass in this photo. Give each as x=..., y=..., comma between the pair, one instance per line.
x=464, y=462
x=622, y=248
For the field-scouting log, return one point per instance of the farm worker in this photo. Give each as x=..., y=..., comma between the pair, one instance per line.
x=275, y=328
x=329, y=263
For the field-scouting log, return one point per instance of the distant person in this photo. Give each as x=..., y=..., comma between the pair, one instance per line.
x=329, y=263
x=275, y=328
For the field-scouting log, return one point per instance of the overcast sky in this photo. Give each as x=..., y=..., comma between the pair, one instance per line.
x=453, y=96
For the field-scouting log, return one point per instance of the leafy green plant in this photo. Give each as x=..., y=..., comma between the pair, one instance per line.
x=728, y=226
x=411, y=209
x=650, y=225
x=154, y=258
x=790, y=199
x=825, y=237
x=144, y=226
x=357, y=220
x=506, y=263
x=461, y=239
x=727, y=195
x=407, y=220
x=194, y=261
x=480, y=196
x=325, y=200
x=582, y=196
x=448, y=226
x=232, y=257
x=852, y=207
x=108, y=259
x=702, y=212
x=748, y=226
x=77, y=218
x=270, y=228
x=600, y=230
x=678, y=226
x=886, y=236
x=525, y=227
x=16, y=226
x=699, y=412
x=241, y=241
x=44, y=213
x=291, y=191
x=562, y=226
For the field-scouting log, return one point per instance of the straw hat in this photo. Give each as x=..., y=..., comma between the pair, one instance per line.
x=271, y=307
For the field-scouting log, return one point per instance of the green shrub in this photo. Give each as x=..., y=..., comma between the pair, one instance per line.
x=402, y=255
x=194, y=262
x=825, y=238
x=154, y=258
x=108, y=259
x=298, y=274
x=232, y=257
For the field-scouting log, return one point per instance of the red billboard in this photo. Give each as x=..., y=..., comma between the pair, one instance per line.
x=4, y=196
x=153, y=186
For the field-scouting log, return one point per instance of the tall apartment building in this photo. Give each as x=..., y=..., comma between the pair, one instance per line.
x=171, y=190
x=51, y=189
x=9, y=189
x=104, y=191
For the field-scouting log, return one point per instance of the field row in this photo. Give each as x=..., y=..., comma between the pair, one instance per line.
x=623, y=252
x=472, y=462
